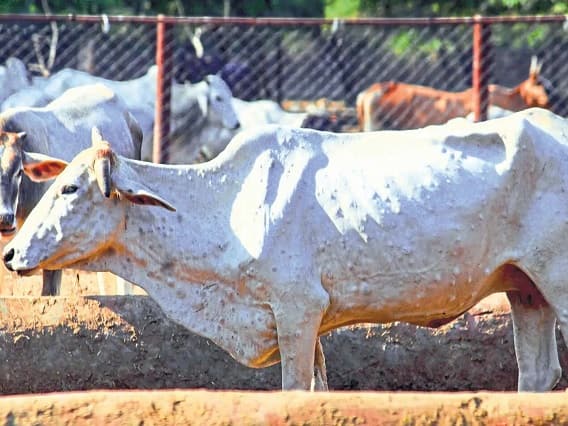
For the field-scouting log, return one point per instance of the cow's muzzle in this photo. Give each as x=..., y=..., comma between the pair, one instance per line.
x=8, y=257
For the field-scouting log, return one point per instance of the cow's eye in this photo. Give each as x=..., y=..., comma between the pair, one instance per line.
x=69, y=189
x=19, y=174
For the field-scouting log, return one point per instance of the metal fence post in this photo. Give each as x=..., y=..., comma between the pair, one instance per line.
x=480, y=71
x=164, y=62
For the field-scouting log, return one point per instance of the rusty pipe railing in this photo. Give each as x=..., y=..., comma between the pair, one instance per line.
x=164, y=62
x=479, y=71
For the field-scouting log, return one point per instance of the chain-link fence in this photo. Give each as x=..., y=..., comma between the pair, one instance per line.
x=298, y=60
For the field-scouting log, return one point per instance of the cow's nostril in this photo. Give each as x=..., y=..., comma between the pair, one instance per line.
x=9, y=255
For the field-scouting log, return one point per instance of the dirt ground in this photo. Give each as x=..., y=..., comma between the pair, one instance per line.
x=116, y=343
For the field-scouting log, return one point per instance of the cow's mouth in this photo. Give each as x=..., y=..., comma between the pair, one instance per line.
x=7, y=232
x=26, y=272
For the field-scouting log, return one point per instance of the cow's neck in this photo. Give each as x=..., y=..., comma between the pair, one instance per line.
x=174, y=255
x=156, y=247
x=188, y=120
x=509, y=99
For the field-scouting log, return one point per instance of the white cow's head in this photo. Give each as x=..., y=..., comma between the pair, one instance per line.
x=80, y=214
x=14, y=162
x=216, y=104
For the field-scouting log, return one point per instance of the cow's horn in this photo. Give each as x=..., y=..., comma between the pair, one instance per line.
x=102, y=167
x=96, y=137
x=534, y=65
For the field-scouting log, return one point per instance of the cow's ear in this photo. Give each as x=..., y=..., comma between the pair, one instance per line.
x=137, y=193
x=39, y=167
x=146, y=198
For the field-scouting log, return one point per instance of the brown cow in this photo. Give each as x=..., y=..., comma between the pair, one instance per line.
x=393, y=104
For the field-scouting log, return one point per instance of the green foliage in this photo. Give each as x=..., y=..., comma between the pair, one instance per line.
x=406, y=41
x=425, y=8
x=342, y=8
x=170, y=7
x=400, y=43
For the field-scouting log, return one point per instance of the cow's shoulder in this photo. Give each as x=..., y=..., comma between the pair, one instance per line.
x=280, y=140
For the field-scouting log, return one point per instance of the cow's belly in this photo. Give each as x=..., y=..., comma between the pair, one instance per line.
x=406, y=298
x=422, y=281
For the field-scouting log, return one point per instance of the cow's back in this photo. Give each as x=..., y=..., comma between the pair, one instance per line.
x=79, y=109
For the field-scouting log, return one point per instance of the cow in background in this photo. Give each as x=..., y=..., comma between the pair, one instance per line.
x=396, y=105
x=252, y=114
x=197, y=110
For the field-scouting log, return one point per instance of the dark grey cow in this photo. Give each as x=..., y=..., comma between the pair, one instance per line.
x=60, y=129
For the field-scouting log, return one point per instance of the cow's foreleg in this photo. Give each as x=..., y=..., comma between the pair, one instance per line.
x=51, y=283
x=297, y=324
x=535, y=341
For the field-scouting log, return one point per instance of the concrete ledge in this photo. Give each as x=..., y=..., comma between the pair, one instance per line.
x=66, y=344
x=284, y=408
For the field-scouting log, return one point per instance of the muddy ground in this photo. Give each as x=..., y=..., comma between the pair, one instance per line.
x=115, y=343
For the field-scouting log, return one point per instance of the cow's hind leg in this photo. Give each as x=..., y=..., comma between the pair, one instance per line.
x=51, y=283
x=535, y=340
x=319, y=382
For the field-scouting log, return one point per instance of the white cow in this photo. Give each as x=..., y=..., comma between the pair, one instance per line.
x=291, y=233
x=202, y=108
x=200, y=111
x=263, y=111
x=60, y=129
x=250, y=114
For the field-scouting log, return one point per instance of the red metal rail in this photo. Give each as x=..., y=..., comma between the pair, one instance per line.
x=286, y=21
x=160, y=149
x=479, y=83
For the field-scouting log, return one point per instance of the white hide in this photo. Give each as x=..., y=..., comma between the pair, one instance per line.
x=291, y=233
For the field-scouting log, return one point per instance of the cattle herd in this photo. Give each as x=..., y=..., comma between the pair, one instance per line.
x=280, y=233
